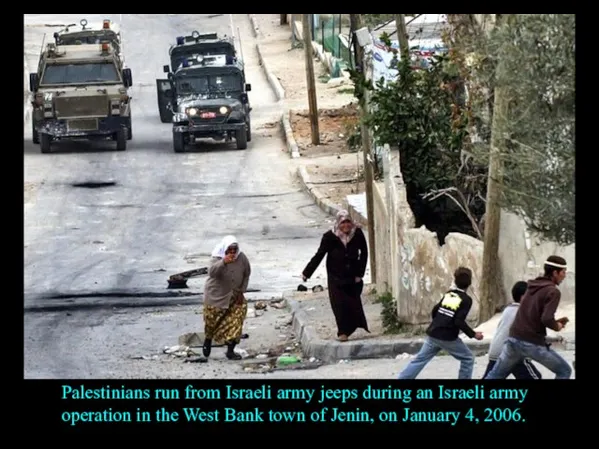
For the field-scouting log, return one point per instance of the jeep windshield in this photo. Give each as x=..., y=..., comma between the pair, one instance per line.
x=212, y=85
x=90, y=73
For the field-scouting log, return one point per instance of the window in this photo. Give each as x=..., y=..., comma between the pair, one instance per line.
x=209, y=83
x=80, y=74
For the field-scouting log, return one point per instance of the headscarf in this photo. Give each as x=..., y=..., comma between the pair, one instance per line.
x=343, y=215
x=220, y=249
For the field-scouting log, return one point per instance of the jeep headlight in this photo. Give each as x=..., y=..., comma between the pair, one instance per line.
x=115, y=107
x=191, y=112
x=223, y=110
x=48, y=106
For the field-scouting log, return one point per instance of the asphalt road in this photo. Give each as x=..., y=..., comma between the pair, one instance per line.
x=162, y=212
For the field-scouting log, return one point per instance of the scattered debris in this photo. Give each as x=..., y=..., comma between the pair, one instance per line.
x=262, y=356
x=144, y=357
x=277, y=305
x=341, y=362
x=200, y=359
x=284, y=322
x=317, y=288
x=242, y=352
x=260, y=305
x=302, y=288
x=402, y=356
x=251, y=313
x=192, y=339
x=285, y=360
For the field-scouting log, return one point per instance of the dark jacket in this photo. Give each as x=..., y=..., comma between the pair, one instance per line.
x=343, y=264
x=449, y=316
x=536, y=312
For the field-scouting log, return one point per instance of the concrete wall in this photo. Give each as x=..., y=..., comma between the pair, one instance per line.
x=522, y=255
x=410, y=262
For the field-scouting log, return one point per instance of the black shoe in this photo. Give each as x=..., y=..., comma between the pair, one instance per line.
x=231, y=354
x=207, y=347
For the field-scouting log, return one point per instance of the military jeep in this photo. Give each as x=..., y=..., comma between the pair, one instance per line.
x=190, y=48
x=80, y=92
x=207, y=98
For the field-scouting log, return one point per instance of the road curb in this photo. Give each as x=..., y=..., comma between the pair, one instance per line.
x=255, y=28
x=292, y=146
x=332, y=351
x=319, y=197
x=272, y=79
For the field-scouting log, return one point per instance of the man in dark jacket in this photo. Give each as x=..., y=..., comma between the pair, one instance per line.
x=529, y=330
x=449, y=318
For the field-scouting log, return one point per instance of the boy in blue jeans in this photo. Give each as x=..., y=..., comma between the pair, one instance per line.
x=524, y=369
x=449, y=318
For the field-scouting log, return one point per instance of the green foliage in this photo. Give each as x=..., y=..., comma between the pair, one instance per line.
x=539, y=74
x=537, y=69
x=391, y=323
x=422, y=113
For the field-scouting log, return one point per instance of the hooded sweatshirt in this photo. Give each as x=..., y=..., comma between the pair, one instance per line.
x=536, y=312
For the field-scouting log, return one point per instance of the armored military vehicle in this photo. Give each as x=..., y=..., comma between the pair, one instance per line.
x=81, y=92
x=190, y=48
x=96, y=33
x=207, y=98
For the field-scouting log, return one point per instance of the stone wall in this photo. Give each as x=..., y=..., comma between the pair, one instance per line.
x=522, y=255
x=417, y=270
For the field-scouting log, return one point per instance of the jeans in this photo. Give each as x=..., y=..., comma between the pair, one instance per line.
x=523, y=370
x=514, y=351
x=456, y=348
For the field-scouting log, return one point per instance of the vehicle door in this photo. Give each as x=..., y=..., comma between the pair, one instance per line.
x=165, y=92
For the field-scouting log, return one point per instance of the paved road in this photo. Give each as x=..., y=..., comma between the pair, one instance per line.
x=165, y=211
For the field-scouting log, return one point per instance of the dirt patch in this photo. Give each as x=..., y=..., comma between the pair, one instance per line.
x=318, y=310
x=337, y=182
x=334, y=126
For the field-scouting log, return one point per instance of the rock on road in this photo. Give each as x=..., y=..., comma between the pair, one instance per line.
x=164, y=212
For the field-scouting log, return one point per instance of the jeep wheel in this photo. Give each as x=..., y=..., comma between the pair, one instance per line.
x=35, y=137
x=178, y=142
x=121, y=139
x=249, y=131
x=241, y=139
x=45, y=143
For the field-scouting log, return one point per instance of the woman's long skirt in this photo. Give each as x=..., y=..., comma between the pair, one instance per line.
x=346, y=302
x=229, y=328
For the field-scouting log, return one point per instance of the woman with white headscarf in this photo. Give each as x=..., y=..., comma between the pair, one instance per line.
x=225, y=307
x=347, y=254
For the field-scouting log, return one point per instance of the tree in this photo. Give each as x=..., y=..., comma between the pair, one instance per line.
x=538, y=160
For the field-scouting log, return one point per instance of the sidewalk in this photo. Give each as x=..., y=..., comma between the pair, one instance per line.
x=330, y=171
x=333, y=176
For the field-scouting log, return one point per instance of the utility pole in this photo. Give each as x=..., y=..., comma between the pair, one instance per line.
x=355, y=25
x=311, y=83
x=402, y=36
x=489, y=288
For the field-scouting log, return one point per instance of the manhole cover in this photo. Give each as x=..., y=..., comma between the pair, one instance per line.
x=94, y=185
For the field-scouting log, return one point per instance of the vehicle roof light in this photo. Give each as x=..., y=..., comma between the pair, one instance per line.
x=105, y=48
x=180, y=40
x=185, y=63
x=106, y=24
